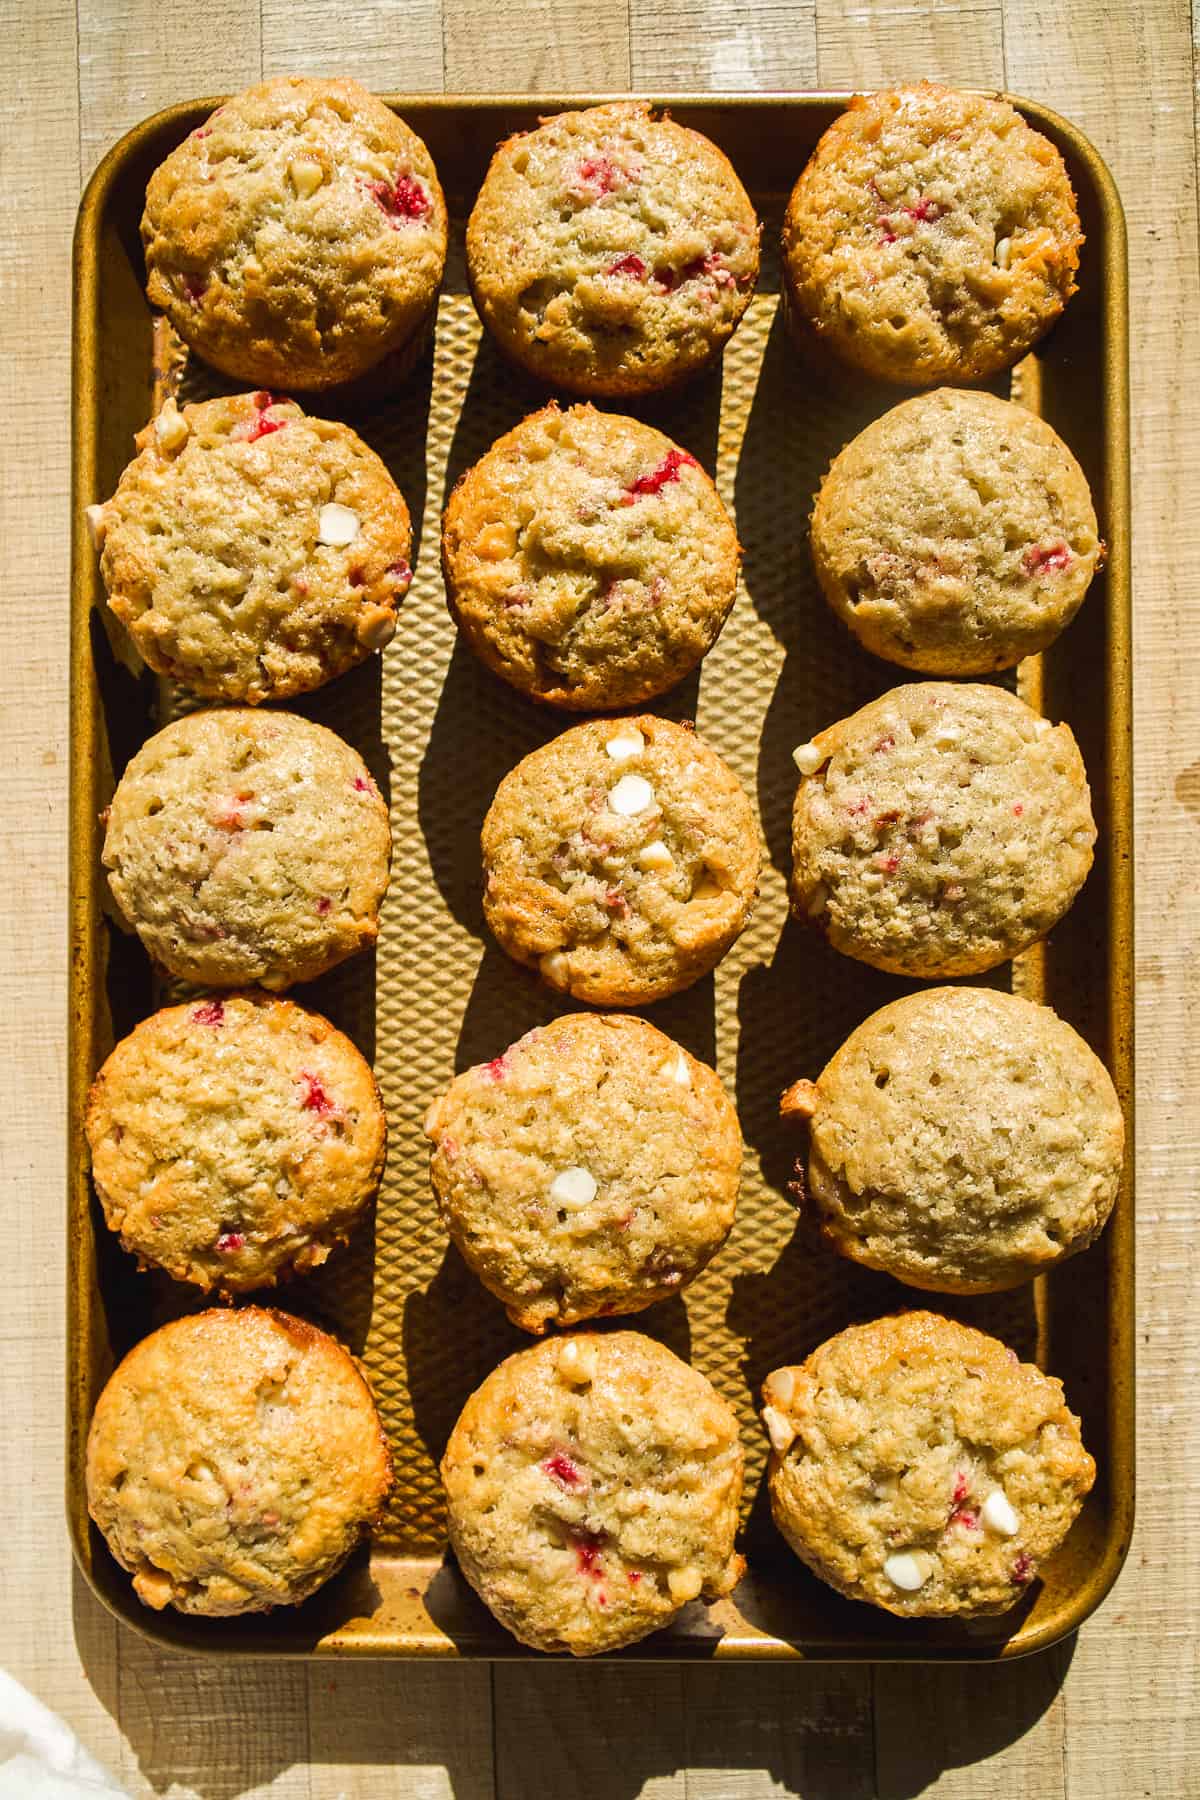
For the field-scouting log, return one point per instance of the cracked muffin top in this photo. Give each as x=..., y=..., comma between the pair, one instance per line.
x=962, y=1140
x=593, y=1485
x=592, y=1168
x=940, y=829
x=588, y=559
x=248, y=848
x=621, y=860
x=612, y=252
x=298, y=236
x=933, y=235
x=921, y=1466
x=235, y=1140
x=956, y=534
x=253, y=553
x=235, y=1459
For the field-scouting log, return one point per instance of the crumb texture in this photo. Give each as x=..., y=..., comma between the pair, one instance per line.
x=593, y=1485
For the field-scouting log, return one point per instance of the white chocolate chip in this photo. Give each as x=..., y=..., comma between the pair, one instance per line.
x=998, y=1514
x=780, y=1430
x=907, y=1570
x=780, y=1386
x=632, y=794
x=627, y=742
x=678, y=1071
x=655, y=856
x=376, y=627
x=807, y=758
x=684, y=1584
x=171, y=429
x=577, y=1361
x=305, y=175
x=555, y=968
x=818, y=901
x=945, y=736
x=96, y=525
x=337, y=524
x=1003, y=252
x=573, y=1188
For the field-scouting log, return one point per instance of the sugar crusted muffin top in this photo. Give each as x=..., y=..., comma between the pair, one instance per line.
x=298, y=236
x=234, y=1461
x=940, y=829
x=612, y=252
x=248, y=848
x=254, y=553
x=235, y=1140
x=592, y=1168
x=621, y=860
x=921, y=1466
x=593, y=1485
x=589, y=560
x=956, y=534
x=962, y=1140
x=932, y=236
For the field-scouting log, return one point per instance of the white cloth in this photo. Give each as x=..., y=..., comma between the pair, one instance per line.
x=40, y=1756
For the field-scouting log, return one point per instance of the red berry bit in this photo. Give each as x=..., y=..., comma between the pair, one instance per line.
x=1038, y=558
x=248, y=431
x=560, y=1468
x=616, y=902
x=635, y=1575
x=400, y=573
x=497, y=1069
x=324, y=904
x=403, y=200
x=588, y=1545
x=229, y=1241
x=211, y=1013
x=659, y=478
x=926, y=211
x=630, y=265
x=364, y=785
x=194, y=288
x=885, y=743
x=887, y=864
x=1022, y=1570
x=315, y=1099
x=962, y=1488
x=600, y=175
x=1018, y=809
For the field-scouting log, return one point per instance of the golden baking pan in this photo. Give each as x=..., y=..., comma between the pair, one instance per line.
x=438, y=732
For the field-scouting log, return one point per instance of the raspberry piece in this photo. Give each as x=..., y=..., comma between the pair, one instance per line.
x=1038, y=558
x=925, y=210
x=888, y=864
x=713, y=265
x=211, y=1013
x=885, y=743
x=248, y=431
x=402, y=199
x=364, y=786
x=401, y=571
x=315, y=1098
x=229, y=1241
x=324, y=904
x=616, y=902
x=601, y=174
x=635, y=1575
x=667, y=471
x=961, y=1488
x=497, y=1069
x=1022, y=1570
x=630, y=265
x=588, y=1545
x=560, y=1468
x=194, y=288
x=1018, y=808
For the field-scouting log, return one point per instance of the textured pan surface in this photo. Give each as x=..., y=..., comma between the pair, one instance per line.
x=438, y=731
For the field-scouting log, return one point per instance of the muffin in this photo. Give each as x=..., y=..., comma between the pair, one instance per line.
x=961, y=1140
x=611, y=252
x=592, y=1168
x=588, y=559
x=933, y=236
x=956, y=534
x=940, y=829
x=235, y=1140
x=298, y=236
x=254, y=553
x=235, y=1460
x=620, y=860
x=593, y=1485
x=919, y=1465
x=248, y=848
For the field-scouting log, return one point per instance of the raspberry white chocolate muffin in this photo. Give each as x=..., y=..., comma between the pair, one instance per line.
x=248, y=848
x=962, y=1140
x=593, y=1485
x=620, y=860
x=612, y=252
x=588, y=559
x=956, y=534
x=252, y=552
x=298, y=236
x=933, y=236
x=235, y=1460
x=940, y=829
x=919, y=1465
x=592, y=1168
x=235, y=1140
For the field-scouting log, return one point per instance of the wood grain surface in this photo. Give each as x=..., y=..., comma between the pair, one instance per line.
x=1107, y=1717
